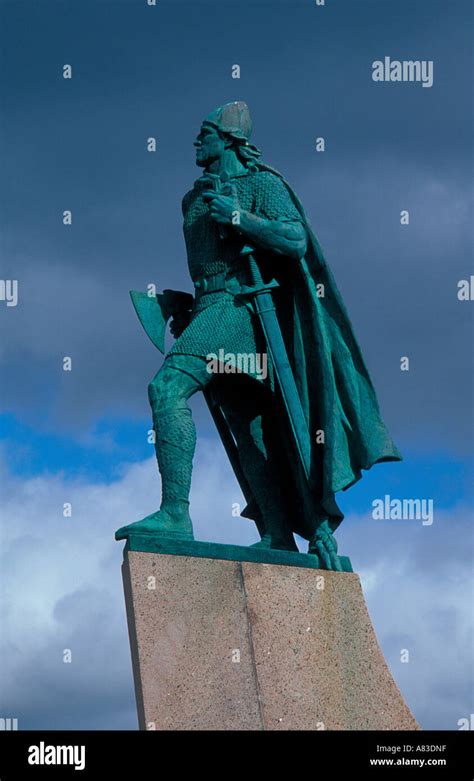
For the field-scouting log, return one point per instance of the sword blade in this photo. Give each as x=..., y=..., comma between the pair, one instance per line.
x=266, y=312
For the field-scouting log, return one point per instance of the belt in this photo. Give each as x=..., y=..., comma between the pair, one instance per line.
x=216, y=282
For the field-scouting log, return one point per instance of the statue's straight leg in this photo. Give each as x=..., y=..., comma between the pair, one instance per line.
x=250, y=418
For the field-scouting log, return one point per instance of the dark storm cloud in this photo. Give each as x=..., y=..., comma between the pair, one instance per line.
x=80, y=145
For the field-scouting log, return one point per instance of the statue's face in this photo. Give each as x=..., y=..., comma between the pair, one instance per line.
x=209, y=146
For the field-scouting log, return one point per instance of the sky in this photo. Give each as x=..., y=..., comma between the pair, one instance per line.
x=81, y=436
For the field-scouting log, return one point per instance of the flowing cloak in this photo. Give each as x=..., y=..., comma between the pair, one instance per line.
x=333, y=382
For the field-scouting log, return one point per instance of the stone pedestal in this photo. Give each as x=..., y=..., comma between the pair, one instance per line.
x=219, y=643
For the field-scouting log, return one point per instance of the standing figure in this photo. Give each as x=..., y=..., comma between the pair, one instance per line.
x=268, y=340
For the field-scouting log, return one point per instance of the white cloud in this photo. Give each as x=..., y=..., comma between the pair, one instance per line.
x=417, y=582
x=61, y=588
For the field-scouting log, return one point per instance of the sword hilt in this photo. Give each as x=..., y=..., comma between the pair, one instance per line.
x=217, y=183
x=257, y=285
x=255, y=274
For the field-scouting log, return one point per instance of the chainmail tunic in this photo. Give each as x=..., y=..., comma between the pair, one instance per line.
x=219, y=321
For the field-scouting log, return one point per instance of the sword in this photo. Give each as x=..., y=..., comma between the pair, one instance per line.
x=261, y=295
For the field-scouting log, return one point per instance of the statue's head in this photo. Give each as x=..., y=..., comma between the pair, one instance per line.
x=227, y=127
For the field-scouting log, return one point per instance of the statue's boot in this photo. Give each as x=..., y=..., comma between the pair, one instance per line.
x=168, y=521
x=265, y=542
x=277, y=542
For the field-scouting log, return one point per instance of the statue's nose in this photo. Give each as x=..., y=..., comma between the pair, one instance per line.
x=197, y=143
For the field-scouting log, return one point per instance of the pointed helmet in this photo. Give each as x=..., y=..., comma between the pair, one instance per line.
x=233, y=118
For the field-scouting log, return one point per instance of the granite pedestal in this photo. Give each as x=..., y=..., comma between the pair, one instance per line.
x=221, y=642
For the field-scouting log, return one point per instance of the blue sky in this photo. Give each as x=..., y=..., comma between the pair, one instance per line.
x=81, y=145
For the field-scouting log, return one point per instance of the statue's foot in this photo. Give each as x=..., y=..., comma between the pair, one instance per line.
x=265, y=542
x=163, y=523
x=324, y=546
x=268, y=542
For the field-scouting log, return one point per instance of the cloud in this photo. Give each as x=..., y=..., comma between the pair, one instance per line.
x=400, y=291
x=386, y=150
x=61, y=589
x=417, y=582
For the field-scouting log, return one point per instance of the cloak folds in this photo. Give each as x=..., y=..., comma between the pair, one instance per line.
x=335, y=388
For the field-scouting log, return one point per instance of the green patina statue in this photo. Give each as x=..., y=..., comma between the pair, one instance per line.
x=267, y=339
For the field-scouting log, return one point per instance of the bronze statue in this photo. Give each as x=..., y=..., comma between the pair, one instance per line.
x=267, y=338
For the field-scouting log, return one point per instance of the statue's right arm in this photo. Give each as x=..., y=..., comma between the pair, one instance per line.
x=283, y=237
x=274, y=223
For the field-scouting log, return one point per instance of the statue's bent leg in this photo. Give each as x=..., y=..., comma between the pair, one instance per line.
x=175, y=432
x=261, y=468
x=178, y=379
